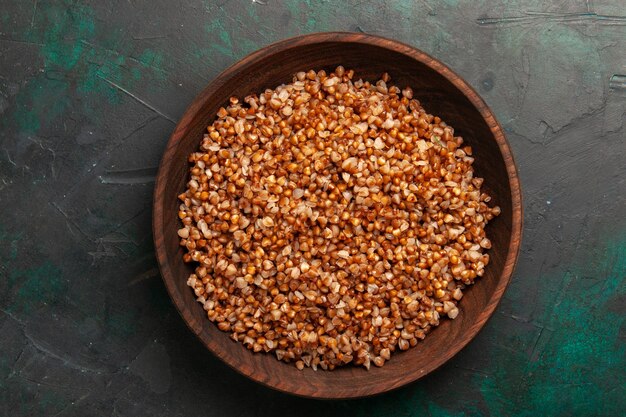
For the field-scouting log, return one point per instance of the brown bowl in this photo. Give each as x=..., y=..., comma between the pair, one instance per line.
x=442, y=93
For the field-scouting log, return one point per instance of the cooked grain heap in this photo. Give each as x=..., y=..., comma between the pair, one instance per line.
x=332, y=221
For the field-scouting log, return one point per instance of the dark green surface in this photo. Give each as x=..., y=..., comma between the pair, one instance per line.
x=89, y=93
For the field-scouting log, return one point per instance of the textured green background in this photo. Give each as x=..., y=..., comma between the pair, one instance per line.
x=89, y=93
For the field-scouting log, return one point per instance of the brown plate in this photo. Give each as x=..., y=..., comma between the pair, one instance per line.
x=442, y=93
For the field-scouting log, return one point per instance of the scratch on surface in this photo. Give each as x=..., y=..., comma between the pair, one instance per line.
x=474, y=371
x=135, y=130
x=66, y=361
x=183, y=65
x=116, y=53
x=210, y=8
x=5, y=183
x=69, y=221
x=516, y=318
x=425, y=4
x=63, y=410
x=248, y=28
x=533, y=353
x=148, y=37
x=114, y=145
x=114, y=239
x=506, y=347
x=73, y=404
x=129, y=176
x=617, y=82
x=14, y=369
x=44, y=383
x=544, y=261
x=524, y=83
x=48, y=149
x=20, y=42
x=9, y=158
x=138, y=99
x=153, y=272
x=608, y=45
x=125, y=222
x=32, y=19
x=564, y=285
x=94, y=46
x=12, y=317
x=105, y=252
x=542, y=17
x=107, y=245
x=262, y=3
x=140, y=62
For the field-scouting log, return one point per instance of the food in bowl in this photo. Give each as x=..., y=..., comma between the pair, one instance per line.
x=332, y=221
